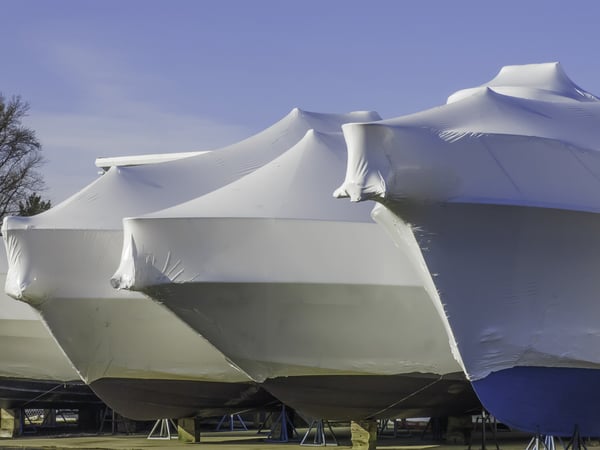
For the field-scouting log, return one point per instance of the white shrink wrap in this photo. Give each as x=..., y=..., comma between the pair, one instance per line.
x=501, y=187
x=301, y=291
x=136, y=354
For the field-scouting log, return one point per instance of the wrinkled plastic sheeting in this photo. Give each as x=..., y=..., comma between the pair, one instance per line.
x=528, y=137
x=61, y=260
x=27, y=349
x=240, y=262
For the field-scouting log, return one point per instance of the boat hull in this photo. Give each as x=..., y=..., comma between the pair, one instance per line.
x=34, y=372
x=109, y=334
x=350, y=397
x=552, y=399
x=294, y=329
x=520, y=286
x=28, y=350
x=148, y=399
x=290, y=300
x=313, y=356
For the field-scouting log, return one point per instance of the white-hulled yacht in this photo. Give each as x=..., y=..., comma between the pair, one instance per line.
x=134, y=353
x=501, y=187
x=301, y=291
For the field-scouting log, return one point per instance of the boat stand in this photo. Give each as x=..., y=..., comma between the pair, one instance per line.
x=320, y=439
x=232, y=418
x=576, y=442
x=164, y=432
x=283, y=420
x=437, y=428
x=114, y=419
x=550, y=444
x=485, y=419
x=539, y=442
x=399, y=426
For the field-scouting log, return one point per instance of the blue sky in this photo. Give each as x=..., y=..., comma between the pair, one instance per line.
x=107, y=78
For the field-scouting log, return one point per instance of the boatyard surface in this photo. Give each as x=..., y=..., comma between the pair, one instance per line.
x=250, y=440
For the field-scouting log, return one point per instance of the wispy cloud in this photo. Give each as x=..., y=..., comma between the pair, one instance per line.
x=111, y=120
x=71, y=142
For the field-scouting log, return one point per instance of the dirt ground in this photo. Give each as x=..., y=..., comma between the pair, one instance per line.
x=250, y=440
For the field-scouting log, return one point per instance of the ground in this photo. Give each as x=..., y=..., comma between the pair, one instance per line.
x=250, y=440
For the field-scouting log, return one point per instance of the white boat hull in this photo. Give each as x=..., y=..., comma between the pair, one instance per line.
x=295, y=306
x=28, y=351
x=520, y=286
x=115, y=339
x=61, y=260
x=34, y=372
x=304, y=329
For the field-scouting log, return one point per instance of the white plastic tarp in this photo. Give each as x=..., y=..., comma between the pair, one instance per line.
x=61, y=260
x=530, y=136
x=27, y=349
x=278, y=275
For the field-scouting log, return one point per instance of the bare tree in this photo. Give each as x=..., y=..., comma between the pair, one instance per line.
x=20, y=156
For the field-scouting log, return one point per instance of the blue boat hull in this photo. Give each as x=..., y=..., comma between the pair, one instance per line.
x=548, y=400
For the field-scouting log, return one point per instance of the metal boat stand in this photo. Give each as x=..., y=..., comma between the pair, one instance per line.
x=399, y=425
x=283, y=421
x=437, y=426
x=485, y=419
x=576, y=442
x=320, y=439
x=110, y=416
x=164, y=432
x=232, y=418
x=539, y=442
